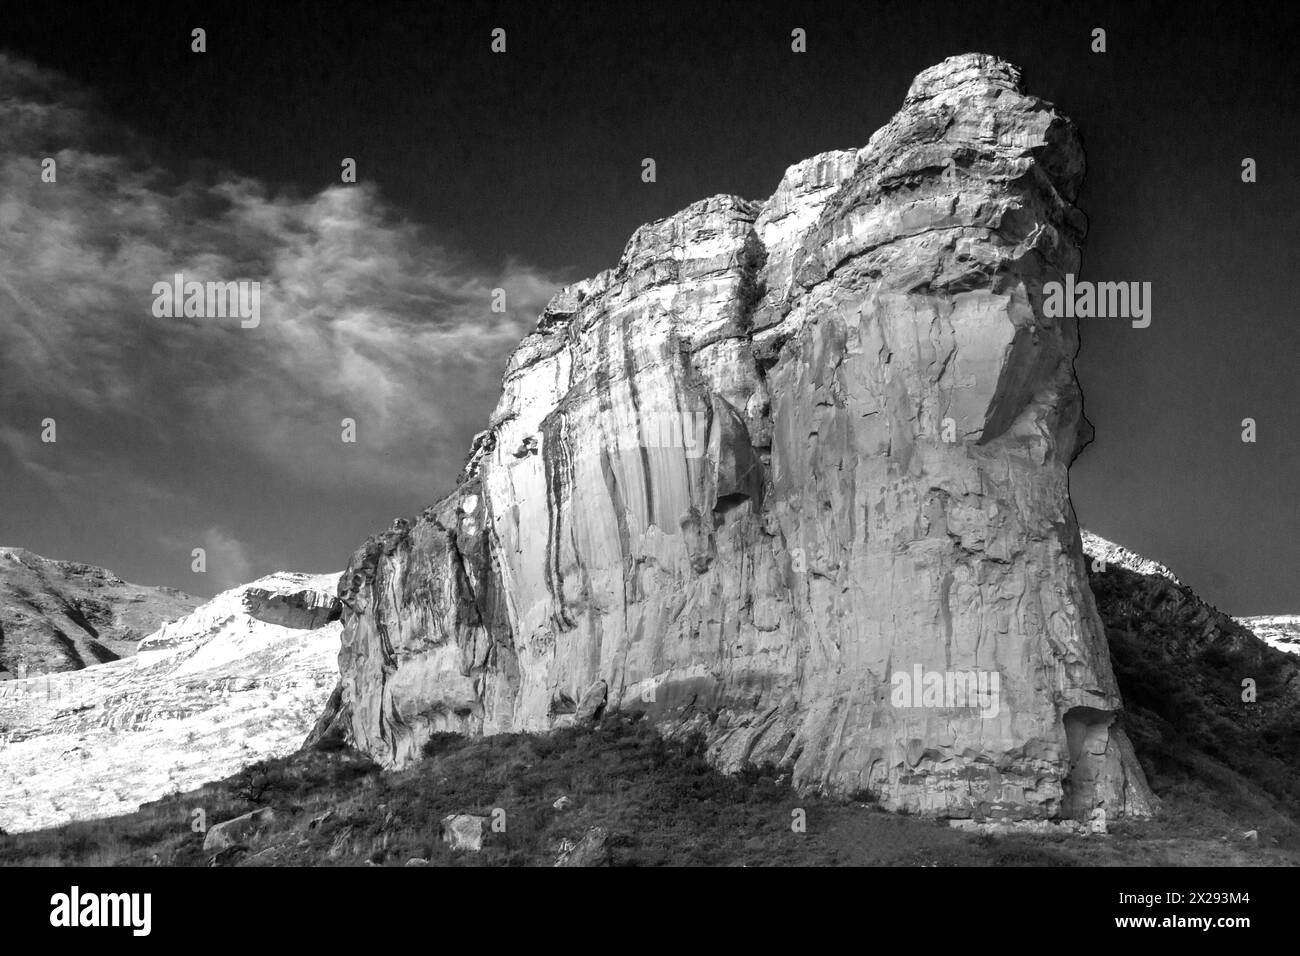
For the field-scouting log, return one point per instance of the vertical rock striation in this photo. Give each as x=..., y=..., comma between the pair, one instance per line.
x=781, y=457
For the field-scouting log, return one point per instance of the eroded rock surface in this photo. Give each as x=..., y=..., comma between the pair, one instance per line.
x=780, y=454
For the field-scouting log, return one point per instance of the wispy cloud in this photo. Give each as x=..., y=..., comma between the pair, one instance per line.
x=229, y=560
x=364, y=315
x=22, y=446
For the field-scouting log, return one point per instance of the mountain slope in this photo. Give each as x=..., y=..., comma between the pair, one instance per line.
x=1223, y=771
x=1279, y=631
x=1212, y=710
x=64, y=615
x=239, y=679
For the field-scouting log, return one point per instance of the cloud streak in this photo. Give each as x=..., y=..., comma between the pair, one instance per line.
x=364, y=315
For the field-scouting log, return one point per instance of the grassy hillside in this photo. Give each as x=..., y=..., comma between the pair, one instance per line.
x=1220, y=765
x=1210, y=755
x=660, y=802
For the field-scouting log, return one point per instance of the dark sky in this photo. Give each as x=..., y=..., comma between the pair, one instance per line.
x=523, y=170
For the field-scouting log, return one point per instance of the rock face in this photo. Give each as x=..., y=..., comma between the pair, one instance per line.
x=62, y=615
x=205, y=696
x=306, y=610
x=792, y=474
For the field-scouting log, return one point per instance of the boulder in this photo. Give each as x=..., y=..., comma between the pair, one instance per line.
x=238, y=831
x=306, y=609
x=592, y=704
x=228, y=856
x=463, y=831
x=591, y=850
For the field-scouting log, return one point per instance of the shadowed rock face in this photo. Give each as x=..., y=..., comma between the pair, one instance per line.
x=781, y=463
x=304, y=610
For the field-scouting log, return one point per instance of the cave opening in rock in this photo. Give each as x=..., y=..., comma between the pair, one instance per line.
x=726, y=503
x=1087, y=735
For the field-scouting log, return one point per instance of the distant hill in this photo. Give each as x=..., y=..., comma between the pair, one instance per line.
x=1211, y=705
x=64, y=615
x=1278, y=631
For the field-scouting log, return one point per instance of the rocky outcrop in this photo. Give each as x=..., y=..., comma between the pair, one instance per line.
x=205, y=696
x=1103, y=553
x=306, y=610
x=62, y=615
x=792, y=474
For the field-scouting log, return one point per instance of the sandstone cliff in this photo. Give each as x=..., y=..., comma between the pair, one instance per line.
x=784, y=461
x=64, y=615
x=238, y=680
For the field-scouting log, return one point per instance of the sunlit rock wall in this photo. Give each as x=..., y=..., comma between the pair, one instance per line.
x=791, y=474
